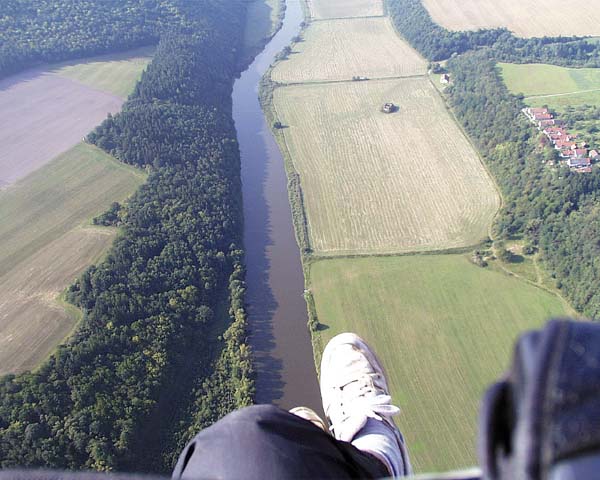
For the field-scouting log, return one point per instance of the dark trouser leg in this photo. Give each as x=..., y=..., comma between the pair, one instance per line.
x=265, y=442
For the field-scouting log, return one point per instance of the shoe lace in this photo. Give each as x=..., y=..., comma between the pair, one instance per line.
x=365, y=396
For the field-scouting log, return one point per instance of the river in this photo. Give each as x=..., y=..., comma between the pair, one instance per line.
x=277, y=314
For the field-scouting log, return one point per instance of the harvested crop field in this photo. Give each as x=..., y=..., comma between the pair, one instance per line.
x=342, y=49
x=47, y=241
x=115, y=73
x=384, y=183
x=444, y=329
x=533, y=18
x=324, y=9
x=32, y=320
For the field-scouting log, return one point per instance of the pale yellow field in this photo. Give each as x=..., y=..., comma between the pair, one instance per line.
x=322, y=9
x=47, y=241
x=32, y=320
x=526, y=18
x=115, y=74
x=342, y=49
x=381, y=183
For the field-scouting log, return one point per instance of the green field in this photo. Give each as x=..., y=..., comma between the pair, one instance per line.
x=116, y=73
x=47, y=241
x=553, y=86
x=444, y=329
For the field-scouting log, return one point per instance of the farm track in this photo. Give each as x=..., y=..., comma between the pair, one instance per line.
x=347, y=18
x=329, y=82
x=550, y=95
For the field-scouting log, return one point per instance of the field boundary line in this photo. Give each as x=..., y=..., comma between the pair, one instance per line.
x=358, y=17
x=367, y=79
x=315, y=257
x=550, y=95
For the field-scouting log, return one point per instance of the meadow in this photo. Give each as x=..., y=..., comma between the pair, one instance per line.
x=47, y=241
x=115, y=73
x=384, y=183
x=342, y=49
x=554, y=86
x=444, y=329
x=534, y=18
x=326, y=9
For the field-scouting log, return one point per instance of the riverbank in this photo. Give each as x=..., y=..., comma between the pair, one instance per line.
x=285, y=373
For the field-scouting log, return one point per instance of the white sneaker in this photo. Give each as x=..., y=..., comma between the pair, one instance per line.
x=355, y=392
x=310, y=415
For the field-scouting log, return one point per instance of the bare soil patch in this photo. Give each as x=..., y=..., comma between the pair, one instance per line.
x=44, y=115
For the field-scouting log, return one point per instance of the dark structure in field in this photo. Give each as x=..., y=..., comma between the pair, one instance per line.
x=389, y=108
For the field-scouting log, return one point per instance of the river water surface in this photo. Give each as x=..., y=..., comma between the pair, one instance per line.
x=277, y=312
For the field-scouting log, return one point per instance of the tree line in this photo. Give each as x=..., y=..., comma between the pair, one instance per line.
x=436, y=43
x=554, y=210
x=161, y=349
x=49, y=31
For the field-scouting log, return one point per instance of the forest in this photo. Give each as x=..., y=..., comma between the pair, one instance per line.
x=555, y=211
x=50, y=31
x=161, y=349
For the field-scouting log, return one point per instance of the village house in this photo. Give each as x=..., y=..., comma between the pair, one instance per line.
x=564, y=144
x=575, y=153
x=538, y=114
x=576, y=162
x=445, y=78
